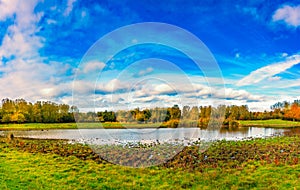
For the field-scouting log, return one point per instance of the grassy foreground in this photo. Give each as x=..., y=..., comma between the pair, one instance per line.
x=269, y=123
x=255, y=164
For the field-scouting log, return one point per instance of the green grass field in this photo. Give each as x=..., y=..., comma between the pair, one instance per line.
x=258, y=164
x=116, y=125
x=20, y=170
x=270, y=123
x=108, y=125
x=38, y=126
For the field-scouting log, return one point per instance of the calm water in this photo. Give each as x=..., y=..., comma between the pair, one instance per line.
x=120, y=136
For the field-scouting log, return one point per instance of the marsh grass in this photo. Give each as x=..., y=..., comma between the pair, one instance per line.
x=271, y=163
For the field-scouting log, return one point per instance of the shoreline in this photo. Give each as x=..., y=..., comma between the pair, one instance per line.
x=224, y=163
x=272, y=126
x=275, y=123
x=271, y=123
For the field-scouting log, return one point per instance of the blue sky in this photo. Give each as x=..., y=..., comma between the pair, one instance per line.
x=47, y=45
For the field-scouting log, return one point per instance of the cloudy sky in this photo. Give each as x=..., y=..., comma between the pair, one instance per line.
x=247, y=53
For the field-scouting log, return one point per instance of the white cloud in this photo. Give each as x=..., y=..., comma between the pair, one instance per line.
x=69, y=8
x=240, y=95
x=33, y=81
x=20, y=39
x=269, y=71
x=19, y=43
x=93, y=66
x=114, y=85
x=282, y=84
x=85, y=87
x=163, y=89
x=290, y=15
x=8, y=7
x=25, y=74
x=146, y=71
x=275, y=78
x=51, y=21
x=126, y=94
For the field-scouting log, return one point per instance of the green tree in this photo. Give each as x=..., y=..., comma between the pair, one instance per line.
x=6, y=118
x=194, y=113
x=50, y=112
x=186, y=112
x=8, y=106
x=17, y=118
x=37, y=112
x=175, y=112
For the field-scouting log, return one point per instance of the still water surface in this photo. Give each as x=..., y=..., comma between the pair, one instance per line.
x=121, y=136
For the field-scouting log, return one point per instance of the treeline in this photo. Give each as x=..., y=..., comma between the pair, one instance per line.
x=154, y=115
x=168, y=117
x=202, y=115
x=21, y=111
x=287, y=110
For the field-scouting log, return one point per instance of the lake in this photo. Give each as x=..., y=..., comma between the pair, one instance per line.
x=170, y=135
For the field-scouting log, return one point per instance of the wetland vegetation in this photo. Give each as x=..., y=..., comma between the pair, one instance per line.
x=271, y=163
x=263, y=163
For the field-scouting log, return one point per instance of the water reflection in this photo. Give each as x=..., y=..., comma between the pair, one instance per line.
x=250, y=132
x=119, y=136
x=293, y=131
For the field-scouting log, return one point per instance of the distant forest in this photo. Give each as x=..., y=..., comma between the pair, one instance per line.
x=21, y=111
